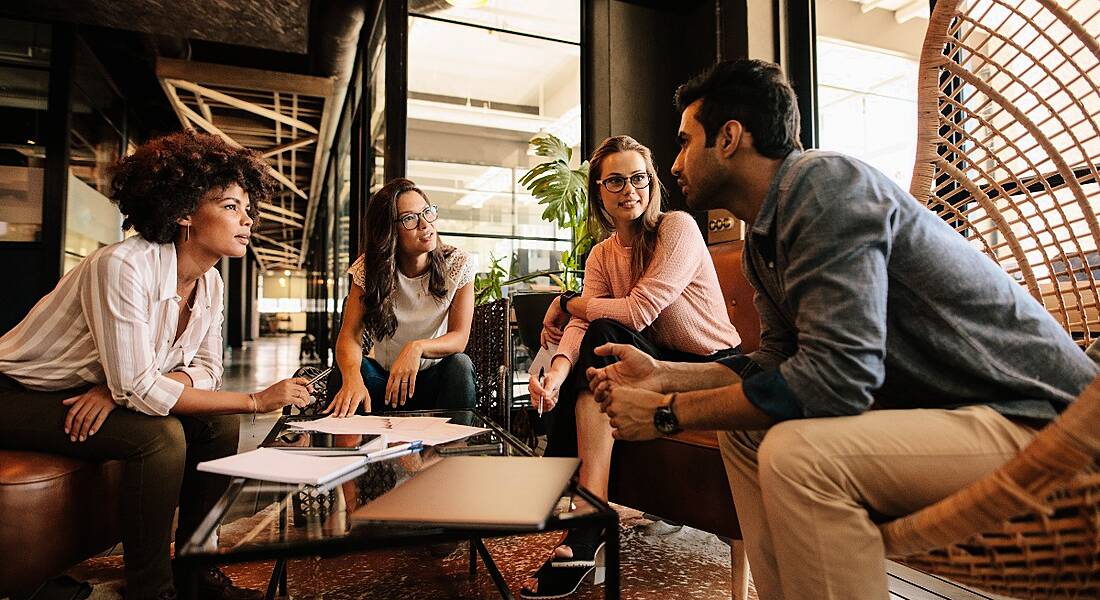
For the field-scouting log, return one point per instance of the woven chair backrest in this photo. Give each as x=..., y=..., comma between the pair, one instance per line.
x=1008, y=142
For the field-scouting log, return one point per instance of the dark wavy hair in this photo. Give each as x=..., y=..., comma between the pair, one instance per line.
x=165, y=179
x=752, y=92
x=380, y=259
x=600, y=224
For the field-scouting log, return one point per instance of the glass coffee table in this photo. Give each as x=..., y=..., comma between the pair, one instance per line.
x=283, y=521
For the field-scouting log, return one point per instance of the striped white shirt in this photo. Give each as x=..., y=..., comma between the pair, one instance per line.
x=112, y=320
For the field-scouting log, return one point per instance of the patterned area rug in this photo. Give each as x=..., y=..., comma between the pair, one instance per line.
x=659, y=561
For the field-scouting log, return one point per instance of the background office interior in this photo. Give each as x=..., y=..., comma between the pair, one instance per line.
x=343, y=95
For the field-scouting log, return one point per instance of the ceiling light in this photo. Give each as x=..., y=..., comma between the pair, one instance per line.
x=467, y=3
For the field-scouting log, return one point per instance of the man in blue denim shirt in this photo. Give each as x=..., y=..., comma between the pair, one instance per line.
x=866, y=298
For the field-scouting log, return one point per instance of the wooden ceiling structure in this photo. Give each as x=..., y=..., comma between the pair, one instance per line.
x=280, y=115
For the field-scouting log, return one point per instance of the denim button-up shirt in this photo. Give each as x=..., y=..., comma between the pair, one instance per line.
x=867, y=297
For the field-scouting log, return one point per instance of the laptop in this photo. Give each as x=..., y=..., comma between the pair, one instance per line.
x=484, y=492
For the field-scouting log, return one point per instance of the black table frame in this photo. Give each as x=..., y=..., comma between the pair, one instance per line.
x=191, y=556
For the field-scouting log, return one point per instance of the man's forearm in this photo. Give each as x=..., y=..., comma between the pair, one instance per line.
x=722, y=408
x=686, y=377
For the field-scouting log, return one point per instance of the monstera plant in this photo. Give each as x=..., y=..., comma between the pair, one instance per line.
x=564, y=192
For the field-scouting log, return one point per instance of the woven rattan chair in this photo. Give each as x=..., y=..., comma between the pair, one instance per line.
x=1008, y=148
x=490, y=349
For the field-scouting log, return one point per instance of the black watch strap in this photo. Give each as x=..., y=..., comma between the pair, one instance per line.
x=564, y=298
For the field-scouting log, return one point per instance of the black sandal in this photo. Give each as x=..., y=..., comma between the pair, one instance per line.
x=584, y=543
x=560, y=582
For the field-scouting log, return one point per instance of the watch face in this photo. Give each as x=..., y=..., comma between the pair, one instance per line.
x=665, y=421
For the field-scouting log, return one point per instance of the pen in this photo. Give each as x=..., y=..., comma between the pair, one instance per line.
x=319, y=376
x=397, y=450
x=541, y=396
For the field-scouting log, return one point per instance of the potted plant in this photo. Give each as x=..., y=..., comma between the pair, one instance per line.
x=564, y=192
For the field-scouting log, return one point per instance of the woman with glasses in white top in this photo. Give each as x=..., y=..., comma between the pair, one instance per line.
x=413, y=297
x=123, y=359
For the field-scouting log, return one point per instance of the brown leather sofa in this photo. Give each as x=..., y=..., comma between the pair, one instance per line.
x=682, y=478
x=54, y=512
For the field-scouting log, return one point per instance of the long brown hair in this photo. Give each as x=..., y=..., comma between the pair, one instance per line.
x=600, y=224
x=380, y=259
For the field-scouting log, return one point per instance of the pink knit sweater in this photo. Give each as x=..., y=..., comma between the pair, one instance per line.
x=677, y=296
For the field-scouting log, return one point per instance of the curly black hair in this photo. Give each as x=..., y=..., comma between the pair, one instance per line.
x=166, y=177
x=755, y=93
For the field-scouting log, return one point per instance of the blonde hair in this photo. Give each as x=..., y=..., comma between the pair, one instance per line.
x=600, y=224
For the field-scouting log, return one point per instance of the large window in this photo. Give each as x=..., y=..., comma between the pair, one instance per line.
x=868, y=105
x=24, y=87
x=97, y=141
x=867, y=58
x=482, y=81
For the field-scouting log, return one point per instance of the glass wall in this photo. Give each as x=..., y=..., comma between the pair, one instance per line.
x=481, y=82
x=24, y=90
x=97, y=141
x=867, y=84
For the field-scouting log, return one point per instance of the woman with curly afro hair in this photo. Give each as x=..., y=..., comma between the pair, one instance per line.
x=136, y=326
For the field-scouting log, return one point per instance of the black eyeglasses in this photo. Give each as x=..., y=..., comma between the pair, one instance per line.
x=616, y=183
x=411, y=220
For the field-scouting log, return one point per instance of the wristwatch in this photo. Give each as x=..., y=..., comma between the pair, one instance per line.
x=665, y=420
x=564, y=298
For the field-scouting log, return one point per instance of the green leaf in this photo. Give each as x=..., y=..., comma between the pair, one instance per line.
x=563, y=193
x=548, y=145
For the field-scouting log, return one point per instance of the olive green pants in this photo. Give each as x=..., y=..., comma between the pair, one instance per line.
x=159, y=455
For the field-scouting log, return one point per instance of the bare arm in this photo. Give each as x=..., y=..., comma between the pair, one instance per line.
x=349, y=342
x=197, y=401
x=723, y=408
x=686, y=377
x=726, y=408
x=194, y=401
x=636, y=369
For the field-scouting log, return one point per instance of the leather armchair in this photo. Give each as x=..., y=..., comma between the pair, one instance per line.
x=54, y=512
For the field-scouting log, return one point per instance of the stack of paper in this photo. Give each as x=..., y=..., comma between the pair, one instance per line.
x=429, y=430
x=269, y=464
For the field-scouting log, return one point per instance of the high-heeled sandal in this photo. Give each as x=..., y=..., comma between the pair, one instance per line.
x=561, y=582
x=585, y=544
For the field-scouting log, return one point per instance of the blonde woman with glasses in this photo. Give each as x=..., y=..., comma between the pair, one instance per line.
x=650, y=284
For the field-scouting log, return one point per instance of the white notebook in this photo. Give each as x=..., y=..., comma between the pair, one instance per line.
x=269, y=464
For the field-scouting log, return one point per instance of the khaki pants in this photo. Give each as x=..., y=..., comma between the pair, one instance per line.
x=806, y=490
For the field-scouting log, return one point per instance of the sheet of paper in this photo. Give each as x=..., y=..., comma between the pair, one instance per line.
x=441, y=433
x=542, y=359
x=269, y=464
x=376, y=424
x=430, y=430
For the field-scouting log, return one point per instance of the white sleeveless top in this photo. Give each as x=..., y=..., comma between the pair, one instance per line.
x=420, y=315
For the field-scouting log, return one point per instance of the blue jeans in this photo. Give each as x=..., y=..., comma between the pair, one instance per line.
x=448, y=384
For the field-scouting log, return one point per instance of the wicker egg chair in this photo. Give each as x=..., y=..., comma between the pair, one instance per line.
x=1008, y=152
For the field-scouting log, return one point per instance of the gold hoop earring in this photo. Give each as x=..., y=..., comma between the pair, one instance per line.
x=186, y=233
